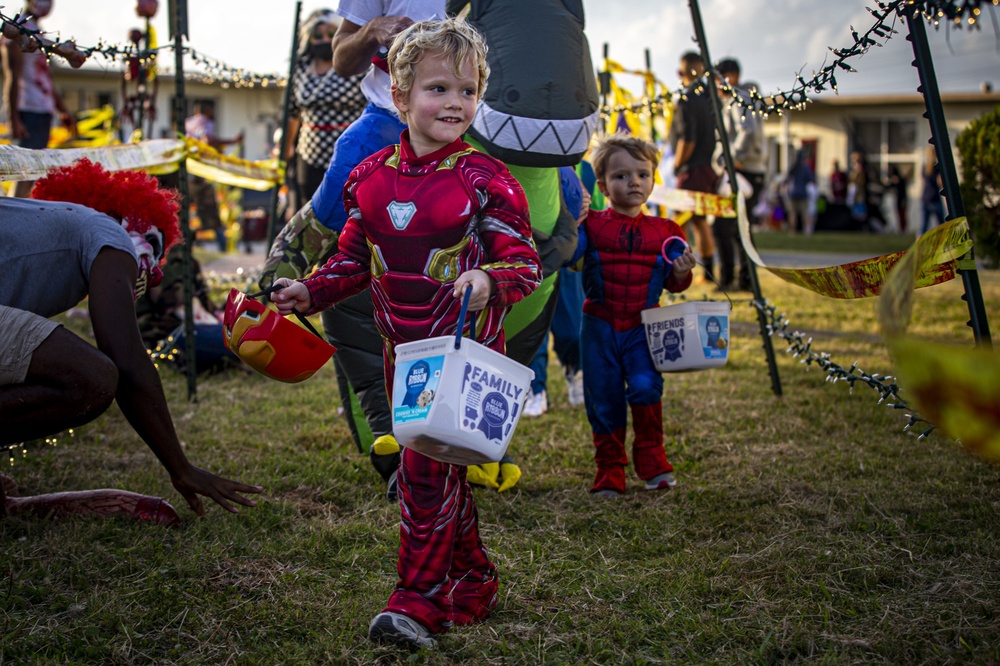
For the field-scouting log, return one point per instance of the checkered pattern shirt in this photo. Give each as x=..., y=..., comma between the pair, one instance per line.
x=325, y=104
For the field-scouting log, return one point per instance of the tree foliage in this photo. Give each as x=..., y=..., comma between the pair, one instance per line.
x=979, y=149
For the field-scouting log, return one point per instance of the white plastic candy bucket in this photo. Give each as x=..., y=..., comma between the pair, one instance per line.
x=456, y=400
x=688, y=336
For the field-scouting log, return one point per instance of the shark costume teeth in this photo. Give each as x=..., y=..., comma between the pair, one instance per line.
x=533, y=141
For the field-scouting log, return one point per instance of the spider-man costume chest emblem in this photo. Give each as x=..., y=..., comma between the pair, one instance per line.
x=630, y=239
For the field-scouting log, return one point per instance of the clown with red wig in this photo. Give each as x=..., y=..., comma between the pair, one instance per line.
x=91, y=234
x=147, y=213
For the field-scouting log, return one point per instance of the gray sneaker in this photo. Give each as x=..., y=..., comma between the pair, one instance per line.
x=664, y=481
x=574, y=386
x=396, y=629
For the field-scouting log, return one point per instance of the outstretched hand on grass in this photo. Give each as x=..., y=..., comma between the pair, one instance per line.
x=291, y=296
x=195, y=481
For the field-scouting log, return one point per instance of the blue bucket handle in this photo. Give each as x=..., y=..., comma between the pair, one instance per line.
x=461, y=319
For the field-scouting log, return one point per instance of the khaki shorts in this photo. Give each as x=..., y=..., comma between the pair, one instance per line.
x=20, y=334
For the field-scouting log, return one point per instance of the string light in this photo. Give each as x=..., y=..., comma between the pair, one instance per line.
x=886, y=14
x=826, y=78
x=215, y=71
x=14, y=449
x=801, y=346
x=219, y=72
x=165, y=350
x=657, y=106
x=881, y=31
x=221, y=283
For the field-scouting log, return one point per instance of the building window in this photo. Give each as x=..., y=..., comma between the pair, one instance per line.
x=885, y=142
x=867, y=137
x=901, y=137
x=890, y=149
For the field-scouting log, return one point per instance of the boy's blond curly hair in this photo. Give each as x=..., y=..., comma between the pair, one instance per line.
x=638, y=148
x=447, y=37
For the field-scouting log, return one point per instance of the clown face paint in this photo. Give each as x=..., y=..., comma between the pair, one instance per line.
x=149, y=249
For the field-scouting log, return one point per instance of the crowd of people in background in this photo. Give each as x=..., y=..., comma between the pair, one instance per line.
x=323, y=104
x=855, y=198
x=340, y=112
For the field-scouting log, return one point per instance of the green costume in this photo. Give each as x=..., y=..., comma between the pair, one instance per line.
x=538, y=113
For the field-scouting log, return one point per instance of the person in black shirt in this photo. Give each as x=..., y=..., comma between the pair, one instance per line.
x=693, y=139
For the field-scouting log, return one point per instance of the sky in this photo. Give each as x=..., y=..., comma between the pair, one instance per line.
x=772, y=39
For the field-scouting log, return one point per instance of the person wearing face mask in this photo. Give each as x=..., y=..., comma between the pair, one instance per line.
x=310, y=237
x=106, y=246
x=29, y=95
x=322, y=105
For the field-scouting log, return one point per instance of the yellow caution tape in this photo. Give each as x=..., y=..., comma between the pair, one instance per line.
x=957, y=389
x=206, y=162
x=26, y=164
x=697, y=203
x=935, y=257
x=94, y=127
x=158, y=156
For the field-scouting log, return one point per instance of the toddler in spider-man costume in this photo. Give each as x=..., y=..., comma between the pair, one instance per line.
x=629, y=258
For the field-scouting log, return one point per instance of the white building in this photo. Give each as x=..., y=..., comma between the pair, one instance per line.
x=890, y=130
x=254, y=111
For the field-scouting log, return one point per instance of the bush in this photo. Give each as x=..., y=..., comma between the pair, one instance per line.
x=979, y=149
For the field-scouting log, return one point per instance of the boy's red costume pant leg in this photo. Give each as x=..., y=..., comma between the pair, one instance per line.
x=611, y=459
x=647, y=449
x=445, y=574
x=473, y=577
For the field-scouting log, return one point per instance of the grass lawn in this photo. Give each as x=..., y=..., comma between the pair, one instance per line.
x=833, y=241
x=805, y=528
x=849, y=244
